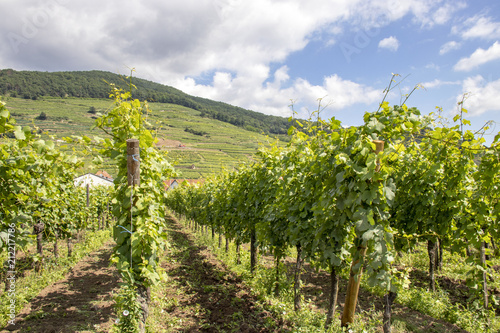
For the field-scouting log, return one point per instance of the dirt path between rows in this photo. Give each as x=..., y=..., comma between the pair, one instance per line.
x=204, y=296
x=82, y=302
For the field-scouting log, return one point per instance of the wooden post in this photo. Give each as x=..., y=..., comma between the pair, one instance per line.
x=388, y=300
x=134, y=179
x=133, y=173
x=485, y=277
x=253, y=250
x=70, y=248
x=107, y=215
x=238, y=255
x=38, y=231
x=353, y=290
x=379, y=147
x=56, y=246
x=133, y=163
x=88, y=195
x=296, y=284
x=87, y=216
x=355, y=275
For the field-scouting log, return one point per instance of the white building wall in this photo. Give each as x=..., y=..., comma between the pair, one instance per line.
x=92, y=180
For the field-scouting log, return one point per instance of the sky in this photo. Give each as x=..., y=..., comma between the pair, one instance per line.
x=265, y=55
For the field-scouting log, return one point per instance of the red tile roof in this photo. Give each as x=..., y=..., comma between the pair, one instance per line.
x=104, y=174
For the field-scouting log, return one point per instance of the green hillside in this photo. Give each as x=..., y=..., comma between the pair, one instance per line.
x=199, y=146
x=32, y=85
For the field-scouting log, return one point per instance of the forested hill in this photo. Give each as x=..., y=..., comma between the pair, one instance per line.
x=95, y=84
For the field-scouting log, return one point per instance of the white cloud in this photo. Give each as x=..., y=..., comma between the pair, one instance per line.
x=479, y=57
x=337, y=92
x=345, y=93
x=272, y=98
x=230, y=44
x=246, y=90
x=436, y=83
x=188, y=37
x=449, y=46
x=390, y=43
x=478, y=26
x=482, y=97
x=425, y=13
x=443, y=14
x=432, y=66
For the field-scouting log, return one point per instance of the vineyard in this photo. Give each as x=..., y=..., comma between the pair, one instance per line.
x=354, y=201
x=402, y=209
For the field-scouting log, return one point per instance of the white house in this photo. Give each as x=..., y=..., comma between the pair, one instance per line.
x=93, y=180
x=171, y=184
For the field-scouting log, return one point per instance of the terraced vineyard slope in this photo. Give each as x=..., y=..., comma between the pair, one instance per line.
x=200, y=146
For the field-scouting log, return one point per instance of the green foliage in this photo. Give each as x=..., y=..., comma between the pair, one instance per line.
x=195, y=132
x=322, y=192
x=6, y=122
x=447, y=189
x=139, y=230
x=127, y=308
x=42, y=116
x=36, y=184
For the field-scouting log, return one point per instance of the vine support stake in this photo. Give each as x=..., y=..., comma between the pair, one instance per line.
x=88, y=195
x=88, y=205
x=356, y=269
x=133, y=162
x=379, y=147
x=134, y=179
x=485, y=276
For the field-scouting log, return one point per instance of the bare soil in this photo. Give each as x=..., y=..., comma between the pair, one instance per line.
x=82, y=302
x=168, y=143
